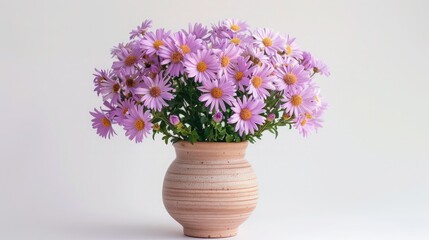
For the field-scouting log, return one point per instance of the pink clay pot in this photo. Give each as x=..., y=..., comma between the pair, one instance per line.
x=210, y=189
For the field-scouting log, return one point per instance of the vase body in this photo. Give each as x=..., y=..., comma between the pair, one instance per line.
x=210, y=189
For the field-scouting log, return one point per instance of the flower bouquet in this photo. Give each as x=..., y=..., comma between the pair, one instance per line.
x=224, y=84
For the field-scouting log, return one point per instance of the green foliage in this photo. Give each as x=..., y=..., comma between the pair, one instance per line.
x=196, y=121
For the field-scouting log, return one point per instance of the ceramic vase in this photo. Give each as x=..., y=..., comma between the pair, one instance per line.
x=210, y=188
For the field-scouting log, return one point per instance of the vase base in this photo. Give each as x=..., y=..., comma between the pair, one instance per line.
x=199, y=233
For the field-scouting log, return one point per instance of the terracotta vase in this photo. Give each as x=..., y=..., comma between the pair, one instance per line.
x=210, y=189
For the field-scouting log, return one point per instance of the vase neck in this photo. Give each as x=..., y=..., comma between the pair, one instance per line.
x=210, y=151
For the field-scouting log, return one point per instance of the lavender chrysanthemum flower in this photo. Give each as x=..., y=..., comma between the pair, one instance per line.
x=307, y=61
x=269, y=41
x=236, y=25
x=309, y=122
x=99, y=77
x=216, y=93
x=217, y=117
x=247, y=115
x=321, y=67
x=155, y=92
x=152, y=42
x=141, y=30
x=239, y=73
x=128, y=58
x=292, y=49
x=137, y=124
x=256, y=56
x=102, y=123
x=202, y=65
x=174, y=120
x=226, y=55
x=198, y=30
x=123, y=110
x=110, y=90
x=174, y=50
x=129, y=81
x=261, y=82
x=299, y=101
x=291, y=76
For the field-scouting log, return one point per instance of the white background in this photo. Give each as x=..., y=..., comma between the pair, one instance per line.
x=363, y=176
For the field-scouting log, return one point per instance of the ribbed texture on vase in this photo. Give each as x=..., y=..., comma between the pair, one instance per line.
x=210, y=189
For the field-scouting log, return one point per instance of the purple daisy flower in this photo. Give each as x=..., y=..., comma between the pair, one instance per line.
x=239, y=72
x=236, y=25
x=261, y=82
x=152, y=42
x=226, y=55
x=187, y=43
x=176, y=47
x=123, y=110
x=137, y=124
x=247, y=115
x=129, y=81
x=217, y=117
x=198, y=30
x=308, y=123
x=141, y=30
x=110, y=90
x=269, y=41
x=307, y=61
x=102, y=123
x=201, y=65
x=128, y=59
x=299, y=101
x=256, y=56
x=291, y=76
x=99, y=77
x=156, y=92
x=321, y=67
x=292, y=49
x=216, y=93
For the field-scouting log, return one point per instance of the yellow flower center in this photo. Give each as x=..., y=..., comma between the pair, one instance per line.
x=157, y=44
x=235, y=27
x=216, y=92
x=176, y=57
x=296, y=100
x=185, y=49
x=308, y=116
x=155, y=91
x=130, y=60
x=288, y=49
x=257, y=81
x=201, y=67
x=267, y=42
x=290, y=79
x=303, y=122
x=225, y=61
x=235, y=40
x=239, y=76
x=105, y=122
x=129, y=82
x=116, y=87
x=139, y=125
x=245, y=114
